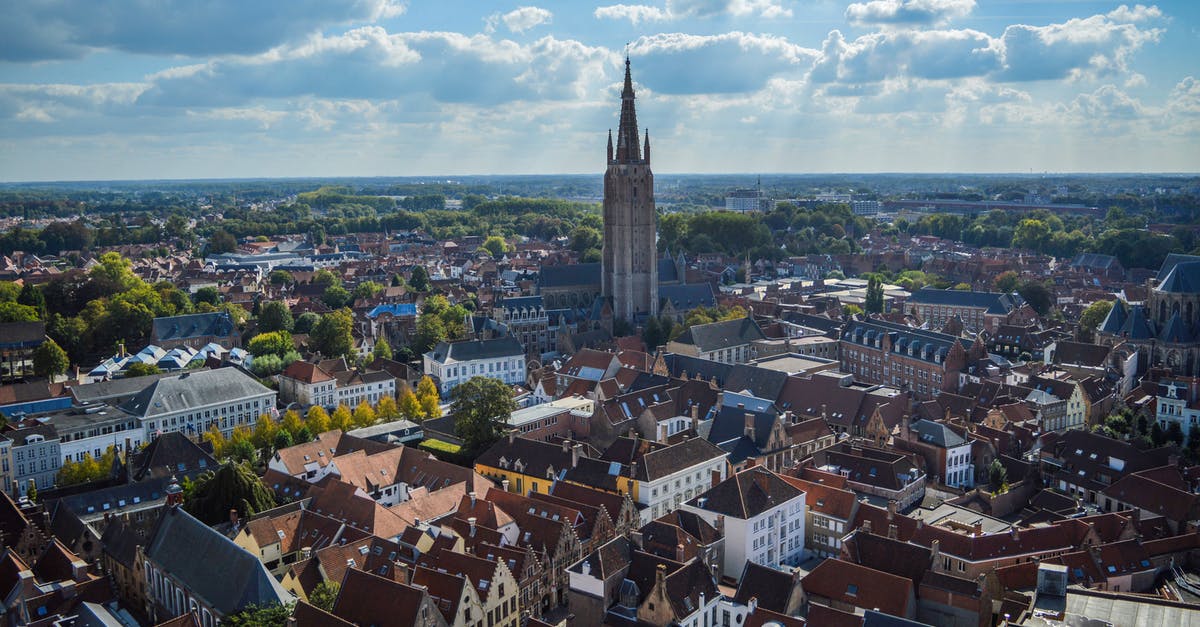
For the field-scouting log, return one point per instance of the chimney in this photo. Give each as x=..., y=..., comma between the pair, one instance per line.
x=1016, y=533
x=866, y=526
x=566, y=446
x=233, y=518
x=512, y=435
x=660, y=576
x=472, y=495
x=416, y=522
x=752, y=605
x=720, y=526
x=576, y=451
x=306, y=553
x=679, y=555
x=504, y=485
x=891, y=509
x=749, y=430
x=471, y=522
x=824, y=411
x=633, y=468
x=695, y=418
x=935, y=552
x=636, y=538
x=893, y=531
x=716, y=477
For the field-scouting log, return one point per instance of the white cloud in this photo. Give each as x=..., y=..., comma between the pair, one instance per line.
x=67, y=29
x=684, y=9
x=679, y=63
x=524, y=18
x=1185, y=98
x=1139, y=13
x=1105, y=105
x=1096, y=45
x=907, y=12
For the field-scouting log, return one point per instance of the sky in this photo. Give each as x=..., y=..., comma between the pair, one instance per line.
x=151, y=89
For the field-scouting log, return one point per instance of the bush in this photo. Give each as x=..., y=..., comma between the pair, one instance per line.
x=444, y=451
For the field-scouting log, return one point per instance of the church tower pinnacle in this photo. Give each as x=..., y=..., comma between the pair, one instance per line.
x=629, y=261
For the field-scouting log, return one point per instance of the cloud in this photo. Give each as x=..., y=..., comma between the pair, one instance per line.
x=1185, y=98
x=370, y=63
x=1097, y=45
x=929, y=54
x=524, y=18
x=1139, y=13
x=679, y=63
x=68, y=29
x=907, y=12
x=684, y=9
x=1105, y=105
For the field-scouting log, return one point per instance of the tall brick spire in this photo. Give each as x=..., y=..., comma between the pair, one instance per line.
x=627, y=133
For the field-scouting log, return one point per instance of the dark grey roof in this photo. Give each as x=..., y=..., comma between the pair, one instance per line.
x=992, y=302
x=686, y=297
x=116, y=498
x=1184, y=278
x=668, y=460
x=1172, y=260
x=830, y=326
x=667, y=270
x=570, y=275
x=193, y=389
x=216, y=323
x=470, y=350
x=1175, y=331
x=1094, y=261
x=724, y=334
x=1137, y=325
x=930, y=346
x=937, y=434
x=729, y=427
x=747, y=494
x=115, y=390
x=1115, y=318
x=22, y=334
x=171, y=453
x=522, y=302
x=213, y=568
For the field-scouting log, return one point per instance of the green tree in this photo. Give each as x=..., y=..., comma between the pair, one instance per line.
x=409, y=406
x=317, y=420
x=306, y=322
x=221, y=241
x=15, y=312
x=209, y=294
x=874, y=299
x=495, y=245
x=140, y=369
x=291, y=422
x=232, y=486
x=367, y=290
x=265, y=430
x=419, y=280
x=1031, y=234
x=283, y=440
x=277, y=343
x=50, y=360
x=1038, y=295
x=275, y=316
x=31, y=296
x=482, y=406
x=382, y=349
x=430, y=330
x=1092, y=317
x=281, y=277
x=997, y=476
x=325, y=594
x=336, y=297
x=333, y=335
x=260, y=616
x=326, y=278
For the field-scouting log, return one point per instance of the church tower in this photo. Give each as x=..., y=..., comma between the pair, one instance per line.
x=630, y=261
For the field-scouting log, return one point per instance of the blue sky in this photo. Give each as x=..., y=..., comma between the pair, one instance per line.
x=126, y=89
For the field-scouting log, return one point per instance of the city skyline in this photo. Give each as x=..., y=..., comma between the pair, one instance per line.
x=376, y=88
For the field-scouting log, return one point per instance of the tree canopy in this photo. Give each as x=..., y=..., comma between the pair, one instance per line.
x=482, y=406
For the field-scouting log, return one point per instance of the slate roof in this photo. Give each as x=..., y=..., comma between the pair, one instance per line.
x=1115, y=320
x=570, y=275
x=936, y=433
x=772, y=587
x=521, y=302
x=228, y=579
x=686, y=297
x=992, y=302
x=217, y=323
x=471, y=350
x=1094, y=261
x=1175, y=331
x=747, y=494
x=193, y=389
x=172, y=454
x=724, y=334
x=1137, y=324
x=1184, y=278
x=22, y=334
x=1172, y=260
x=728, y=432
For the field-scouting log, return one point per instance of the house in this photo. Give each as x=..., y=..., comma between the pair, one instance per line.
x=875, y=472
x=762, y=515
x=525, y=466
x=853, y=588
x=925, y=363
x=368, y=599
x=668, y=474
x=332, y=382
x=195, y=401
x=946, y=452
x=18, y=340
x=36, y=456
x=456, y=362
x=979, y=311
x=830, y=510
x=195, y=331
x=728, y=341
x=227, y=580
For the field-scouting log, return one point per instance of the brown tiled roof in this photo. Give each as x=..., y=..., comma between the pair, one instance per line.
x=328, y=445
x=747, y=494
x=772, y=587
x=368, y=599
x=307, y=615
x=846, y=582
x=447, y=590
x=880, y=552
x=306, y=372
x=825, y=499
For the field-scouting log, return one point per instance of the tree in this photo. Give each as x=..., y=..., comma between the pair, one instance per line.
x=367, y=290
x=874, y=298
x=15, y=312
x=281, y=277
x=333, y=335
x=317, y=420
x=1157, y=434
x=31, y=493
x=427, y=394
x=50, y=360
x=232, y=486
x=277, y=343
x=341, y=419
x=265, y=431
x=1031, y=234
x=1092, y=318
x=495, y=245
x=419, y=281
x=364, y=416
x=430, y=330
x=325, y=594
x=382, y=349
x=386, y=409
x=1038, y=295
x=336, y=297
x=217, y=439
x=274, y=315
x=482, y=406
x=283, y=440
x=222, y=241
x=326, y=278
x=209, y=294
x=291, y=422
x=997, y=476
x=140, y=369
x=306, y=322
x=410, y=406
x=1007, y=281
x=31, y=296
x=1175, y=433
x=851, y=310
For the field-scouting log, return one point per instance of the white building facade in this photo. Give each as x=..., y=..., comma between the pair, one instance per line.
x=454, y=363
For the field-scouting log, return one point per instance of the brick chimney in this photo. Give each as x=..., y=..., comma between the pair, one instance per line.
x=566, y=446
x=695, y=418
x=576, y=451
x=716, y=477
x=504, y=485
x=233, y=518
x=893, y=531
x=679, y=553
x=749, y=425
